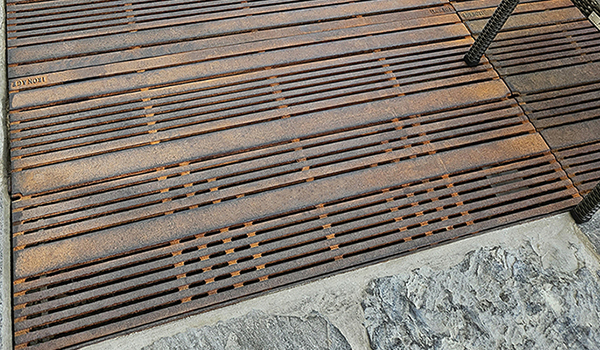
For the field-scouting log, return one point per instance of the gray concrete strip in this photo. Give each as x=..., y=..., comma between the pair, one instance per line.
x=556, y=243
x=258, y=330
x=5, y=250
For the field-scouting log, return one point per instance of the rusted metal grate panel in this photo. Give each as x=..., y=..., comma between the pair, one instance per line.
x=582, y=164
x=549, y=55
x=162, y=167
x=540, y=36
x=71, y=20
x=570, y=119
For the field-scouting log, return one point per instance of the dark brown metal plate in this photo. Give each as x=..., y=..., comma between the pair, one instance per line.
x=549, y=55
x=169, y=161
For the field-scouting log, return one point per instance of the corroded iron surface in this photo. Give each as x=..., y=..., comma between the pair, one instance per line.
x=549, y=55
x=166, y=161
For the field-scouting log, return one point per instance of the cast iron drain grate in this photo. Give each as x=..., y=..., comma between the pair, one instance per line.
x=167, y=162
x=549, y=54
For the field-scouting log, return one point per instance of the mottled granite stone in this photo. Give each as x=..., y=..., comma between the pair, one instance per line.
x=592, y=230
x=258, y=331
x=493, y=299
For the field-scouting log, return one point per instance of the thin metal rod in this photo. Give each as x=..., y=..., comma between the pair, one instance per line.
x=590, y=204
x=493, y=26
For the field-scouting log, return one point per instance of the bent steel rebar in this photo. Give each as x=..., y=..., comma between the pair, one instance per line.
x=590, y=204
x=493, y=26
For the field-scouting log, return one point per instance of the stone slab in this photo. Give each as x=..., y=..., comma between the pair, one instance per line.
x=555, y=243
x=495, y=298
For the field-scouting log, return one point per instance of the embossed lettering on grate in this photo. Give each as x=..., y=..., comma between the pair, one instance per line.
x=549, y=54
x=167, y=162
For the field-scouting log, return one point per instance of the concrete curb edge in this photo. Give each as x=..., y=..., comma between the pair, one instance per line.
x=5, y=241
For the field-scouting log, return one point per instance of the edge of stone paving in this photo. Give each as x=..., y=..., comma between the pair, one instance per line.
x=5, y=242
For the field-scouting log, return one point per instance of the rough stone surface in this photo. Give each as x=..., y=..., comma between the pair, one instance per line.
x=258, y=331
x=494, y=299
x=592, y=230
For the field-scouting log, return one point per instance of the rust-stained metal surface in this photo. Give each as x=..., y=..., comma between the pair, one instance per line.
x=549, y=55
x=166, y=161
